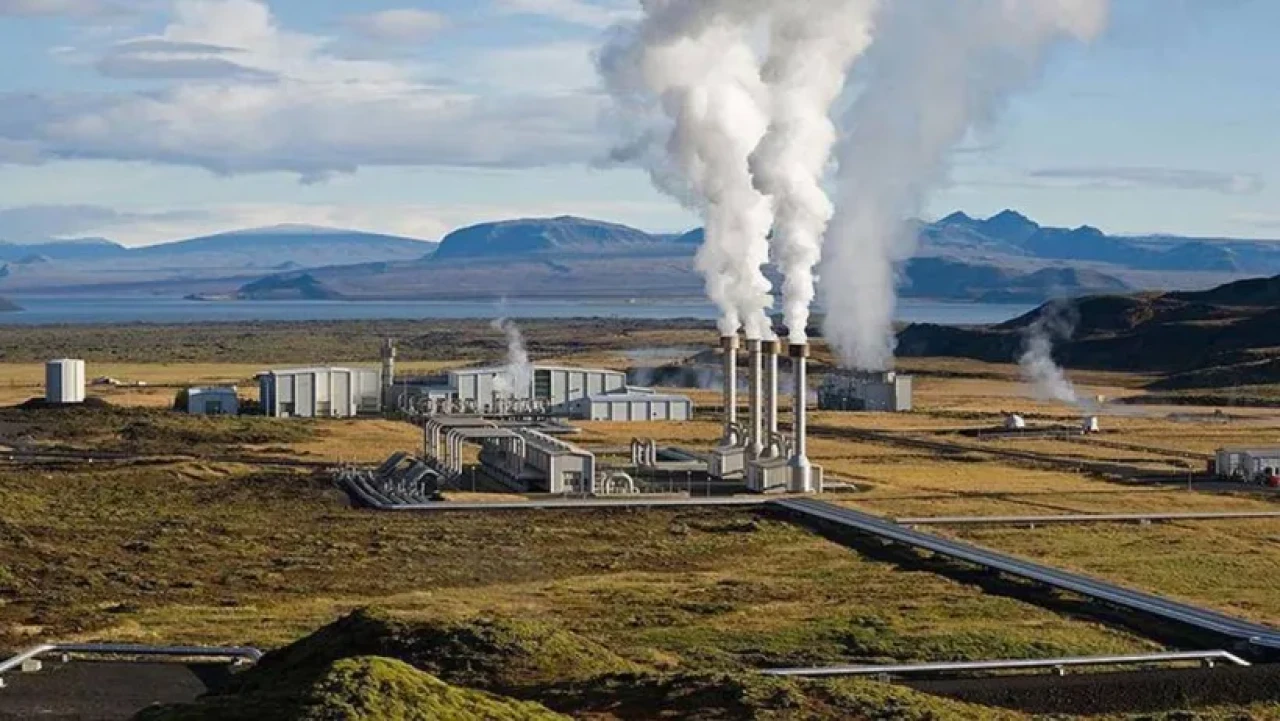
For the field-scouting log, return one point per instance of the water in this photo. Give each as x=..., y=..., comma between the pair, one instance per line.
x=48, y=310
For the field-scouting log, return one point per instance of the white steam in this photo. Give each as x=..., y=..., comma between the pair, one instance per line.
x=938, y=70
x=813, y=43
x=1048, y=380
x=517, y=375
x=694, y=58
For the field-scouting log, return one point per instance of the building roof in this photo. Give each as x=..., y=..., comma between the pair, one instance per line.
x=493, y=370
x=630, y=397
x=1272, y=451
x=315, y=369
x=212, y=390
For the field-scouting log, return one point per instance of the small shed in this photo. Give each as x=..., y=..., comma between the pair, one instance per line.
x=217, y=401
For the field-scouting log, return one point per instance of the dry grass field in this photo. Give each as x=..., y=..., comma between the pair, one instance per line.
x=217, y=548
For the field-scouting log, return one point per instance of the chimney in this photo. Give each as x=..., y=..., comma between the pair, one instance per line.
x=729, y=344
x=755, y=401
x=388, y=372
x=770, y=348
x=801, y=470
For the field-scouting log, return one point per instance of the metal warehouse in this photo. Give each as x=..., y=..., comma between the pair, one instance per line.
x=631, y=406
x=64, y=381
x=1246, y=463
x=328, y=392
x=223, y=401
x=552, y=385
x=887, y=392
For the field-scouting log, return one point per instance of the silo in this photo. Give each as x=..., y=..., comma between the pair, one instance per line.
x=64, y=381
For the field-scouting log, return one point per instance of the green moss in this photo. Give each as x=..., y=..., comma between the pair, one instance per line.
x=500, y=655
x=359, y=689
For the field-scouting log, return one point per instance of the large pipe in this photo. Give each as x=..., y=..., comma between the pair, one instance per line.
x=729, y=344
x=755, y=402
x=801, y=470
x=770, y=348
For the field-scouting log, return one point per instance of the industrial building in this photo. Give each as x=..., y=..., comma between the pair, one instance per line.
x=64, y=381
x=551, y=385
x=326, y=392
x=219, y=401
x=630, y=406
x=1247, y=464
x=883, y=392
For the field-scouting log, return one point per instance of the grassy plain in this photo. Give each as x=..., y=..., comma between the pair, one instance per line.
x=218, y=547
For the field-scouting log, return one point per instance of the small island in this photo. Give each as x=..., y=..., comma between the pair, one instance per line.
x=8, y=306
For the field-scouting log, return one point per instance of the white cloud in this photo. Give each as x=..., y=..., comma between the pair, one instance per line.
x=402, y=25
x=46, y=8
x=576, y=12
x=256, y=97
x=1108, y=177
x=561, y=67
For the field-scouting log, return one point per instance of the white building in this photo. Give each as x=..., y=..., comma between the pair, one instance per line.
x=551, y=385
x=64, y=381
x=327, y=392
x=631, y=406
x=223, y=401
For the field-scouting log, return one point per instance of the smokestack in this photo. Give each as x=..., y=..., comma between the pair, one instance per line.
x=801, y=470
x=754, y=445
x=770, y=348
x=729, y=344
x=388, y=372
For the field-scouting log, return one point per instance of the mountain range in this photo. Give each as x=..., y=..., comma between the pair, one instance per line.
x=1007, y=257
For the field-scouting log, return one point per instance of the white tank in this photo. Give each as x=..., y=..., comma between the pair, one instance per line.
x=64, y=381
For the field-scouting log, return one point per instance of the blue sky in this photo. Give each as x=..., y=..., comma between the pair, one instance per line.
x=151, y=120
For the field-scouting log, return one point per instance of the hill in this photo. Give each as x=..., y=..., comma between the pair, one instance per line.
x=1221, y=337
x=8, y=306
x=561, y=236
x=232, y=258
x=287, y=287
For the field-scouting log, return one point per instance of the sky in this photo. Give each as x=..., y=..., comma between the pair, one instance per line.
x=146, y=121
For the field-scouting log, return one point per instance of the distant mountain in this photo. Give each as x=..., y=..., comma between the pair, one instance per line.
x=1014, y=235
x=278, y=287
x=1004, y=258
x=1216, y=338
x=78, y=249
x=236, y=257
x=561, y=236
x=8, y=306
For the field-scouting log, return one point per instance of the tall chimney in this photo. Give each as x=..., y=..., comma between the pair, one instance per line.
x=801, y=470
x=388, y=372
x=729, y=344
x=755, y=402
x=770, y=397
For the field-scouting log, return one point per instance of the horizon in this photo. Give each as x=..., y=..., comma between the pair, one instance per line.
x=322, y=229
x=116, y=127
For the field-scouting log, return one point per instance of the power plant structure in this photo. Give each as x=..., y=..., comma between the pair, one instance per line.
x=765, y=459
x=878, y=392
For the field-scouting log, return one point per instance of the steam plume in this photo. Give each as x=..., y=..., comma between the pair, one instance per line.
x=938, y=70
x=517, y=374
x=1047, y=378
x=694, y=59
x=812, y=45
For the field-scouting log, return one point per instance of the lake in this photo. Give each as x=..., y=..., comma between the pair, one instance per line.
x=49, y=310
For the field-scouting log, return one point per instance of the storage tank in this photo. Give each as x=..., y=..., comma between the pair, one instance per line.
x=64, y=381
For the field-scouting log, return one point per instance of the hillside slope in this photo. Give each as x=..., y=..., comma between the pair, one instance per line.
x=1216, y=338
